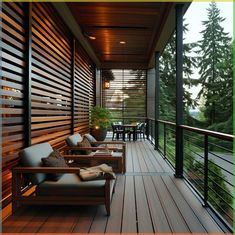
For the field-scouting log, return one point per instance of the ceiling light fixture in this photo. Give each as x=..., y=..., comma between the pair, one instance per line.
x=122, y=42
x=91, y=37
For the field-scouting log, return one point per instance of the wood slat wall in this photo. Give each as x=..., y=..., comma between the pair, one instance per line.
x=12, y=88
x=51, y=76
x=84, y=90
x=51, y=83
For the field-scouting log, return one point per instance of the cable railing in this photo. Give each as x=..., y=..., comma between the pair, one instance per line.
x=207, y=163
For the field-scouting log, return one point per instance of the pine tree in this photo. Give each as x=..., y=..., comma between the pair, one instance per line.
x=215, y=64
x=168, y=79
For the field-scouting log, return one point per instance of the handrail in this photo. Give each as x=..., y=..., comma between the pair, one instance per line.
x=216, y=134
x=129, y=118
x=167, y=122
x=209, y=133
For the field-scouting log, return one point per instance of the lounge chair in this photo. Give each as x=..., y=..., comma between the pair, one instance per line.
x=69, y=189
x=88, y=155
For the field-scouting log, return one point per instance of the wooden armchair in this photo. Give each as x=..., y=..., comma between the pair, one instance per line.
x=116, y=158
x=68, y=190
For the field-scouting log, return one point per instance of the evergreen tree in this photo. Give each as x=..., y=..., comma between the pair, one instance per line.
x=168, y=79
x=215, y=64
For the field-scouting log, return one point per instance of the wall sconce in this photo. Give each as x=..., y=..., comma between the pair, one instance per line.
x=106, y=84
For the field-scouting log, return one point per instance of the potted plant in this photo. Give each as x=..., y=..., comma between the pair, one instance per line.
x=100, y=121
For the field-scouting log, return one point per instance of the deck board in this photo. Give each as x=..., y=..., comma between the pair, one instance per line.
x=143, y=215
x=129, y=224
x=147, y=199
x=114, y=224
x=174, y=217
x=159, y=219
x=190, y=218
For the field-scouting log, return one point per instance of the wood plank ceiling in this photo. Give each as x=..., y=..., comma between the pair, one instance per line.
x=139, y=25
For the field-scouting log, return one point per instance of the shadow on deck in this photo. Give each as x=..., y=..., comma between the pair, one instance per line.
x=148, y=199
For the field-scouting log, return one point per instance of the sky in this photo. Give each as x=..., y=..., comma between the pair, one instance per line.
x=199, y=13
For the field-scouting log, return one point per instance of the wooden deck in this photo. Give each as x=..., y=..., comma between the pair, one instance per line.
x=148, y=199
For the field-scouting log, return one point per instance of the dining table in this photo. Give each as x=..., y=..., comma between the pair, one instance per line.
x=130, y=126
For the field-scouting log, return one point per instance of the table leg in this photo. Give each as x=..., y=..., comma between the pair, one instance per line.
x=134, y=134
x=124, y=134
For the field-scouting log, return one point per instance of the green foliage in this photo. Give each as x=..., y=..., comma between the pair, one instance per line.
x=168, y=79
x=221, y=200
x=215, y=63
x=100, y=117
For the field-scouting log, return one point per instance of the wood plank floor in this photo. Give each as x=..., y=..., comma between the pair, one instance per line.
x=148, y=199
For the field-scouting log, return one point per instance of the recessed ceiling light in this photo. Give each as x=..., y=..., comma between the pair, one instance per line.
x=122, y=42
x=92, y=37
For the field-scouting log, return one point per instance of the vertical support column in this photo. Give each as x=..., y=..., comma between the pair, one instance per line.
x=28, y=73
x=73, y=84
x=205, y=170
x=157, y=97
x=179, y=91
x=98, y=86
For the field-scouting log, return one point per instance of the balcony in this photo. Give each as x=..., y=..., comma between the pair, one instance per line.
x=148, y=199
x=56, y=60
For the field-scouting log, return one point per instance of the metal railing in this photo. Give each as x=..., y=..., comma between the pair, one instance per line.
x=207, y=163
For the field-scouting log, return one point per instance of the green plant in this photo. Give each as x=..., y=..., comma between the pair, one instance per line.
x=100, y=117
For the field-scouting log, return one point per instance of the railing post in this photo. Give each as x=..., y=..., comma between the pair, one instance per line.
x=179, y=92
x=205, y=170
x=157, y=97
x=164, y=131
x=147, y=128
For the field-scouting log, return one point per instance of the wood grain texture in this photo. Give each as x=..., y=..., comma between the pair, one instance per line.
x=138, y=24
x=51, y=82
x=144, y=202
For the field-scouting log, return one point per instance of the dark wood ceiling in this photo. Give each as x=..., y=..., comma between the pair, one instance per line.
x=138, y=24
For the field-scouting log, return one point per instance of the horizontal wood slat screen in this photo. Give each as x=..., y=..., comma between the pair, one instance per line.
x=84, y=90
x=51, y=77
x=51, y=83
x=126, y=97
x=12, y=89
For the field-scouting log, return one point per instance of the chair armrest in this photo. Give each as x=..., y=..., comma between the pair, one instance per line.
x=90, y=148
x=74, y=157
x=87, y=157
x=109, y=142
x=25, y=170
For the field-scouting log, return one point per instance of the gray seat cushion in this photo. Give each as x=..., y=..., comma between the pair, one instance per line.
x=71, y=185
x=73, y=140
x=32, y=156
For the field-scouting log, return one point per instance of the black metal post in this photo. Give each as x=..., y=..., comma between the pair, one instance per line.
x=157, y=96
x=205, y=170
x=179, y=91
x=73, y=84
x=147, y=128
x=28, y=73
x=164, y=130
x=151, y=131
